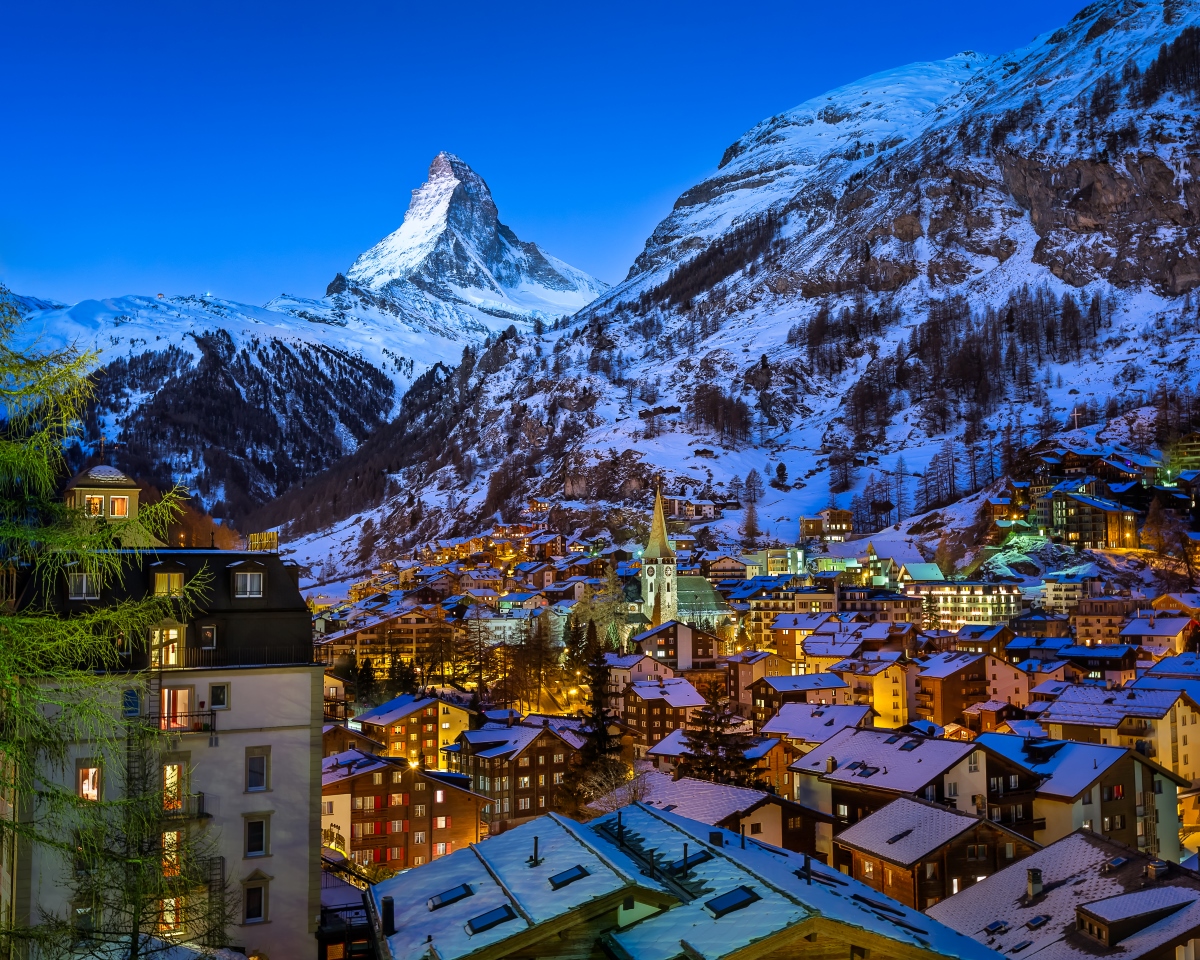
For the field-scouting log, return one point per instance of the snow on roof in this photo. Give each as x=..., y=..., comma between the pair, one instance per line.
x=923, y=572
x=698, y=799
x=349, y=764
x=883, y=759
x=501, y=740
x=1157, y=626
x=1077, y=871
x=786, y=898
x=942, y=665
x=1030, y=729
x=1068, y=767
x=816, y=645
x=804, y=681
x=748, y=656
x=675, y=691
x=674, y=745
x=393, y=710
x=624, y=661
x=1100, y=707
x=992, y=706
x=906, y=830
x=1185, y=665
x=799, y=621
x=814, y=723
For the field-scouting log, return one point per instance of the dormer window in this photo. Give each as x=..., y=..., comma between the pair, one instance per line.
x=82, y=586
x=168, y=584
x=248, y=584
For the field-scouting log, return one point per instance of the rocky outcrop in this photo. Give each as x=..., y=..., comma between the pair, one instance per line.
x=1132, y=220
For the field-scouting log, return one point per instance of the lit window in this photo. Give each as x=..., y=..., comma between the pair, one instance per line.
x=168, y=584
x=171, y=843
x=89, y=783
x=118, y=507
x=170, y=915
x=172, y=786
x=93, y=506
x=439, y=796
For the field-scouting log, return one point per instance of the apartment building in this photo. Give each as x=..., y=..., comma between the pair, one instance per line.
x=380, y=810
x=888, y=682
x=234, y=689
x=654, y=709
x=952, y=681
x=960, y=602
x=415, y=727
x=743, y=668
x=768, y=694
x=1098, y=620
x=627, y=668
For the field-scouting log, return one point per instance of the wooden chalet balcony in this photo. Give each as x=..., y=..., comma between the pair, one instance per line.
x=338, y=709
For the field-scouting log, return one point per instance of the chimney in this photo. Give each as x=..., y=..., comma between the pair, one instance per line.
x=830, y=764
x=545, y=721
x=387, y=907
x=1033, y=883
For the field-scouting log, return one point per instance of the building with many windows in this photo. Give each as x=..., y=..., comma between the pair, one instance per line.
x=960, y=602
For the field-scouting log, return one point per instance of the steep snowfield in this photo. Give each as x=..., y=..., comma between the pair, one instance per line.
x=971, y=177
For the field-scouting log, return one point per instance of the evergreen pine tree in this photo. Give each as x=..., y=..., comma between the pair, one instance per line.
x=364, y=686
x=931, y=617
x=599, y=768
x=750, y=528
x=718, y=742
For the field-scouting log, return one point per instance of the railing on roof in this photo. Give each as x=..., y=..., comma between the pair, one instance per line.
x=264, y=542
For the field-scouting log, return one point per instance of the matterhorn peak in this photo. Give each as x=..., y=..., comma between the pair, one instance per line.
x=453, y=244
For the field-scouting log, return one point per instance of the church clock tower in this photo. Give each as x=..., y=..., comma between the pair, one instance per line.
x=660, y=598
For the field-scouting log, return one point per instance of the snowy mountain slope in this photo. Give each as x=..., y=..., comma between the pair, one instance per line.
x=916, y=270
x=305, y=381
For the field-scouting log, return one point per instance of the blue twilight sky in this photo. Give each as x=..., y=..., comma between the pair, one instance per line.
x=254, y=148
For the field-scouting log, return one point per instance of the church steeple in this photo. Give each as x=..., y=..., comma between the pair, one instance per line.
x=658, y=548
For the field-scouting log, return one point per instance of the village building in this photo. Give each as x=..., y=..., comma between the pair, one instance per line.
x=383, y=811
x=886, y=681
x=1085, y=895
x=769, y=755
x=920, y=853
x=1160, y=634
x=654, y=709
x=960, y=602
x=519, y=767
x=1111, y=790
x=768, y=694
x=678, y=645
x=875, y=604
x=414, y=727
x=805, y=726
x=831, y=525
x=627, y=668
x=952, y=681
x=1098, y=620
x=743, y=668
x=621, y=886
x=789, y=630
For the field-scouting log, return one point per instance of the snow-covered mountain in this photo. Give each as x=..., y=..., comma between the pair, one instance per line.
x=238, y=402
x=914, y=270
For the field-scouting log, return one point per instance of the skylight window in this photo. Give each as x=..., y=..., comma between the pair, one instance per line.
x=695, y=859
x=996, y=926
x=868, y=771
x=895, y=738
x=1017, y=948
x=1117, y=862
x=900, y=836
x=877, y=904
x=1039, y=921
x=736, y=899
x=911, y=745
x=493, y=918
x=453, y=895
x=577, y=872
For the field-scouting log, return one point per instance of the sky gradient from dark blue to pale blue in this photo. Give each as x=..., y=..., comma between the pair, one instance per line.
x=253, y=148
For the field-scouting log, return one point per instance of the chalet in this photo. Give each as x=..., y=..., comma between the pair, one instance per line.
x=771, y=757
x=1156, y=722
x=1111, y=790
x=654, y=709
x=788, y=630
x=990, y=715
x=679, y=645
x=859, y=771
x=768, y=694
x=383, y=811
x=951, y=682
x=920, y=853
x=983, y=638
x=875, y=604
x=1160, y=634
x=743, y=668
x=1041, y=623
x=1084, y=895
x=621, y=886
x=831, y=525
x=805, y=726
x=724, y=568
x=627, y=668
x=1110, y=663
x=337, y=738
x=1089, y=522
x=415, y=728
x=919, y=573
x=519, y=767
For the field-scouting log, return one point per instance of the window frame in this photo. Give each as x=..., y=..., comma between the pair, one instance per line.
x=89, y=763
x=262, y=884
x=253, y=753
x=238, y=594
x=90, y=589
x=263, y=817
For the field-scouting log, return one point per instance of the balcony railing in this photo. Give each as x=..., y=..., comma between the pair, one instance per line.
x=189, y=806
x=338, y=709
x=239, y=655
x=200, y=721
